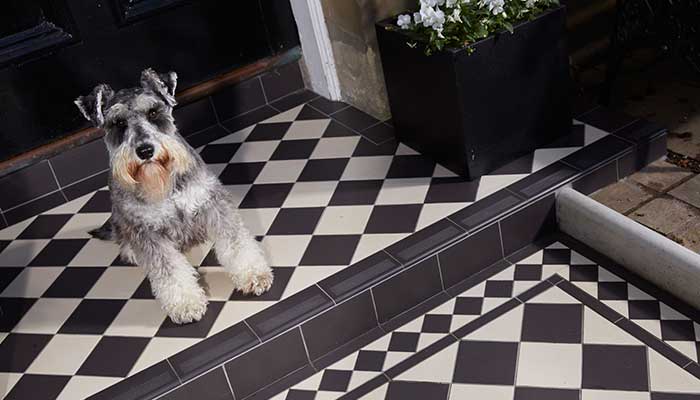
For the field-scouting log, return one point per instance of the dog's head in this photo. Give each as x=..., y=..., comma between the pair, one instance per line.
x=146, y=151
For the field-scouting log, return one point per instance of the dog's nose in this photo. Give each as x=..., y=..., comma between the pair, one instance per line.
x=145, y=151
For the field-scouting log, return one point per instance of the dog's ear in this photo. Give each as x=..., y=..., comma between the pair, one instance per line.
x=162, y=84
x=92, y=105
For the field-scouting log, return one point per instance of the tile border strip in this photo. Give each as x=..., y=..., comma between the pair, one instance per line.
x=532, y=197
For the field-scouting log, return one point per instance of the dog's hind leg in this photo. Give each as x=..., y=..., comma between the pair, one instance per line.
x=239, y=253
x=173, y=279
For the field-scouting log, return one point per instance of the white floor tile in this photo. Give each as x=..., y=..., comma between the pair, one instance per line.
x=335, y=147
x=255, y=151
x=551, y=365
x=64, y=354
x=82, y=387
x=160, y=348
x=96, y=252
x=78, y=226
x=372, y=243
x=308, y=129
x=117, y=283
x=306, y=276
x=217, y=283
x=258, y=220
x=7, y=382
x=361, y=168
x=20, y=253
x=665, y=376
x=138, y=317
x=32, y=282
x=491, y=392
x=598, y=330
x=46, y=316
x=403, y=191
x=505, y=328
x=431, y=213
x=281, y=171
x=285, y=251
x=437, y=368
x=234, y=312
x=343, y=220
x=11, y=232
x=310, y=194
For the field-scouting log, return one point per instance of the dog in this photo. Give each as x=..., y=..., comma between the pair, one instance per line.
x=165, y=200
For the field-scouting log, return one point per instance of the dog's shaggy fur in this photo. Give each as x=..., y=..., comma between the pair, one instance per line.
x=165, y=200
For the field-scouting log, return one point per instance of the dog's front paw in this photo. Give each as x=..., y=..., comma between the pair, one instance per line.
x=190, y=306
x=256, y=282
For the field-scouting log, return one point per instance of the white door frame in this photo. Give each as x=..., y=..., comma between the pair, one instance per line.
x=316, y=47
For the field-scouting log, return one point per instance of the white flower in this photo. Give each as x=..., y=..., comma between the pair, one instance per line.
x=530, y=3
x=417, y=18
x=431, y=3
x=494, y=6
x=404, y=21
x=451, y=3
x=432, y=17
x=455, y=16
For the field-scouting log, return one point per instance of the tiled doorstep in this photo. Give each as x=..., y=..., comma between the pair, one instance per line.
x=481, y=227
x=503, y=352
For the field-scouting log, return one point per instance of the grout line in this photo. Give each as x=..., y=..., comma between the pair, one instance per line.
x=395, y=259
x=618, y=320
x=374, y=307
x=306, y=349
x=213, y=107
x=84, y=179
x=245, y=321
x=688, y=363
x=2, y=214
x=56, y=179
x=337, y=111
x=442, y=282
x=262, y=88
x=228, y=381
x=500, y=236
x=173, y=369
x=326, y=293
x=32, y=200
x=386, y=376
x=274, y=108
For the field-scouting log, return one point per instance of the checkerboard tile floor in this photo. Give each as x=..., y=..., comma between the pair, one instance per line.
x=317, y=193
x=552, y=347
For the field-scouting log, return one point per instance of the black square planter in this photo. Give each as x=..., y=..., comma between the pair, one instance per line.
x=476, y=112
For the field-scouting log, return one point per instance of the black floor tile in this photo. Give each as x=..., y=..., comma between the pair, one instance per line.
x=327, y=106
x=394, y=218
x=207, y=135
x=330, y=169
x=644, y=309
x=335, y=380
x=335, y=129
x=556, y=256
x=31, y=386
x=219, y=153
x=144, y=290
x=198, y=329
x=241, y=173
x=45, y=226
x=614, y=367
x=533, y=393
x=677, y=330
x=295, y=394
x=503, y=289
x=296, y=221
x=267, y=195
x=552, y=323
x=433, y=323
x=379, y=133
x=354, y=118
x=13, y=309
x=330, y=250
x=59, y=252
x=294, y=99
x=114, y=356
x=92, y=316
x=268, y=131
x=294, y=149
x=404, y=342
x=74, y=282
x=100, y=202
x=86, y=186
x=528, y=272
x=449, y=190
x=400, y=390
x=309, y=113
x=368, y=360
x=612, y=290
x=365, y=148
x=583, y=273
x=19, y=350
x=486, y=363
x=7, y=275
x=34, y=207
x=468, y=305
x=412, y=166
x=350, y=193
x=253, y=117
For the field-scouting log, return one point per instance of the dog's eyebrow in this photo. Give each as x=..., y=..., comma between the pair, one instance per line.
x=115, y=111
x=144, y=103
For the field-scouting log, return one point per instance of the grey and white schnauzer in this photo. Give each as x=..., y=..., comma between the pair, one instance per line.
x=165, y=200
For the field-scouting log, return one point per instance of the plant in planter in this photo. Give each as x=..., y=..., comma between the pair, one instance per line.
x=477, y=83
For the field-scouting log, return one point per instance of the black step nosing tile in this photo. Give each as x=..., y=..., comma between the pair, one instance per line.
x=339, y=325
x=470, y=255
x=282, y=81
x=407, y=289
x=360, y=276
x=147, y=384
x=289, y=312
x=597, y=153
x=597, y=178
x=34, y=207
x=486, y=318
x=27, y=184
x=416, y=311
x=214, y=350
x=544, y=180
x=205, y=136
x=422, y=355
x=254, y=370
x=348, y=348
x=425, y=241
x=606, y=120
x=292, y=100
x=211, y=385
x=283, y=383
x=194, y=117
x=478, y=277
x=533, y=222
x=235, y=124
x=364, y=389
x=640, y=130
x=239, y=99
x=485, y=210
x=87, y=185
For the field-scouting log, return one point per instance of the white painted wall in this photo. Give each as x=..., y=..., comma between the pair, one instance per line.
x=316, y=47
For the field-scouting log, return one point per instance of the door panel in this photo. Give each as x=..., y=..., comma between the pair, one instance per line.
x=88, y=42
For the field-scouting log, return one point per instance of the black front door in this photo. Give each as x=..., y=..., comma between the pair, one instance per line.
x=52, y=51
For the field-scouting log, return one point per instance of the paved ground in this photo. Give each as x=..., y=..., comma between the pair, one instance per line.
x=664, y=197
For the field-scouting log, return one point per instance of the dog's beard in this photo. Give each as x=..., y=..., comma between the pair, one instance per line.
x=152, y=179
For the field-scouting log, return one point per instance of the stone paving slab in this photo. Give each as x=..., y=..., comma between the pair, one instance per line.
x=660, y=175
x=666, y=214
x=688, y=191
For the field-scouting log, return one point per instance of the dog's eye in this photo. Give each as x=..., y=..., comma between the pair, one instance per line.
x=152, y=113
x=121, y=123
